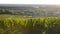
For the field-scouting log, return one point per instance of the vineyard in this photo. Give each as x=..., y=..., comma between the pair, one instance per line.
x=29, y=25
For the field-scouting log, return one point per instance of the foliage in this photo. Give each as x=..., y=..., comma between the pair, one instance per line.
x=29, y=25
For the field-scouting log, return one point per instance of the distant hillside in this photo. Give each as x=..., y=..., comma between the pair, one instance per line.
x=30, y=10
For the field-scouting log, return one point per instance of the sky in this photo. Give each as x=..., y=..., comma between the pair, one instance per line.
x=30, y=2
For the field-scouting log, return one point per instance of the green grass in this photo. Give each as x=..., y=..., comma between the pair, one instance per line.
x=10, y=24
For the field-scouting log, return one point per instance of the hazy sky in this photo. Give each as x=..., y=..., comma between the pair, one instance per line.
x=30, y=2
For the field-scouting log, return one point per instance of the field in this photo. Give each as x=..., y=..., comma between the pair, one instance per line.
x=10, y=24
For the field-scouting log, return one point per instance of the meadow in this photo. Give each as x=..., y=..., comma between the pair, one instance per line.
x=10, y=24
